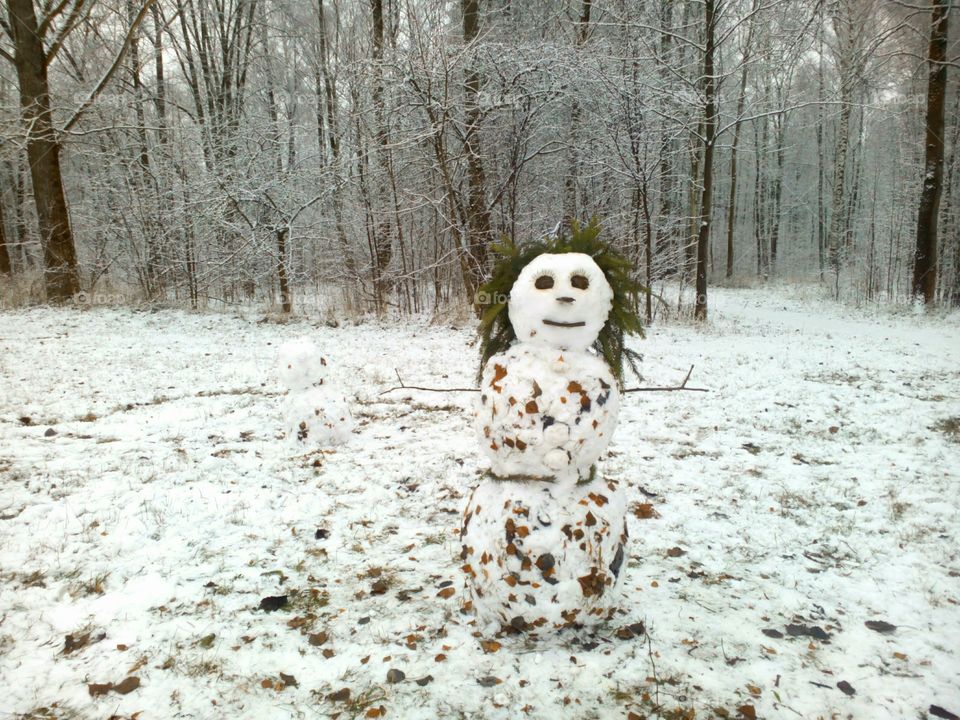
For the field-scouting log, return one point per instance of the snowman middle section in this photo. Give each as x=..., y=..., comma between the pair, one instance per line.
x=545, y=412
x=543, y=540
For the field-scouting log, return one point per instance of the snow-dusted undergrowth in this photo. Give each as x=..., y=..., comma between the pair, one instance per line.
x=149, y=510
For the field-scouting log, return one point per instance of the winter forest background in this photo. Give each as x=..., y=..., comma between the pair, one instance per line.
x=364, y=155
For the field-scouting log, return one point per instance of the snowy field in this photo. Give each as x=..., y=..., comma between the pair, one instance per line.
x=794, y=531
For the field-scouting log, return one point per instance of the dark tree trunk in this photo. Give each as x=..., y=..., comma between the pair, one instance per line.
x=741, y=100
x=61, y=277
x=333, y=138
x=666, y=172
x=780, y=123
x=837, y=238
x=732, y=204
x=4, y=254
x=925, y=256
x=571, y=178
x=821, y=210
x=380, y=229
x=478, y=216
x=710, y=131
x=286, y=299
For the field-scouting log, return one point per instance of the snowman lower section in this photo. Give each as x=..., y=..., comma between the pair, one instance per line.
x=540, y=556
x=315, y=418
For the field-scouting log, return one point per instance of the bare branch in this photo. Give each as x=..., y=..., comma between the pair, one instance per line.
x=118, y=60
x=681, y=386
x=404, y=386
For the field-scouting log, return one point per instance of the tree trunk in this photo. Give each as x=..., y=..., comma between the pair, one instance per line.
x=478, y=217
x=332, y=135
x=758, y=194
x=286, y=299
x=380, y=230
x=710, y=131
x=61, y=276
x=741, y=100
x=821, y=210
x=281, y=230
x=571, y=176
x=925, y=256
x=836, y=239
x=4, y=254
x=781, y=128
x=664, y=232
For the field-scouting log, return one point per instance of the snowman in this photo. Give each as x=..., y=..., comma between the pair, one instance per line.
x=315, y=416
x=543, y=537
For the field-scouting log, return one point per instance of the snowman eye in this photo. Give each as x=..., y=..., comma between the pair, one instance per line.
x=544, y=282
x=580, y=282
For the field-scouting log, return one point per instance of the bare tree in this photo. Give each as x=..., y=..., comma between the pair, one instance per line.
x=5, y=268
x=711, y=12
x=478, y=216
x=925, y=256
x=31, y=58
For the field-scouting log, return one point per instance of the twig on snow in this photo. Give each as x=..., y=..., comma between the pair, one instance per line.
x=681, y=386
x=404, y=386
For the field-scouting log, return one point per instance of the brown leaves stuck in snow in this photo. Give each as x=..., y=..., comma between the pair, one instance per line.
x=126, y=686
x=645, y=511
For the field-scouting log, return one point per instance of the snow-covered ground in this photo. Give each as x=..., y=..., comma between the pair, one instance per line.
x=148, y=509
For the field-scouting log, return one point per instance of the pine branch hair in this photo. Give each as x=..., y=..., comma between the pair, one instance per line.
x=496, y=331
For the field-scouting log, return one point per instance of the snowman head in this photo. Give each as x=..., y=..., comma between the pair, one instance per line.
x=567, y=291
x=560, y=300
x=300, y=365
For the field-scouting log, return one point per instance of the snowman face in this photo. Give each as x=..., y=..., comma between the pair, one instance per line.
x=560, y=301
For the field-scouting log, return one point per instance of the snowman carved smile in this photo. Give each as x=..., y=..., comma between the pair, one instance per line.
x=555, y=323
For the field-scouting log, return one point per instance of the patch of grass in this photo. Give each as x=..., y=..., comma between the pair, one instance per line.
x=950, y=427
x=205, y=667
x=897, y=506
x=92, y=586
x=309, y=601
x=54, y=711
x=790, y=500
x=436, y=408
x=37, y=578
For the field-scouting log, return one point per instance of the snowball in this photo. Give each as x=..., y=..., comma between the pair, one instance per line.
x=544, y=413
x=560, y=300
x=314, y=414
x=544, y=555
x=300, y=365
x=316, y=418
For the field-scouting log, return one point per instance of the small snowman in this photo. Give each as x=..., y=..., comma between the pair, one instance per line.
x=315, y=416
x=543, y=537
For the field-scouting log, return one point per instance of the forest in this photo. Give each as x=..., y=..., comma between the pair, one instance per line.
x=367, y=155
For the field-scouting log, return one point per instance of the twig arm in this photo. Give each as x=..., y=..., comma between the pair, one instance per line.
x=681, y=386
x=404, y=386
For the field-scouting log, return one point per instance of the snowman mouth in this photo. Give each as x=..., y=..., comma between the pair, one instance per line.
x=557, y=323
